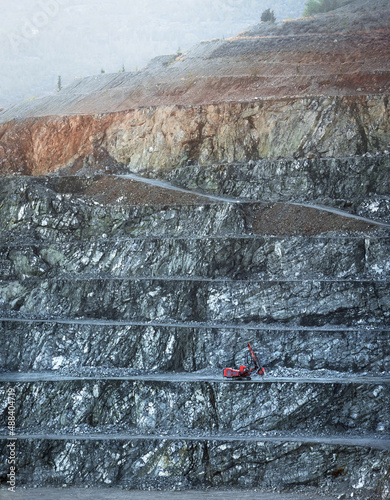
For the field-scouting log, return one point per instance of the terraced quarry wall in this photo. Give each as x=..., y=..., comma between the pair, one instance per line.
x=141, y=248
x=119, y=320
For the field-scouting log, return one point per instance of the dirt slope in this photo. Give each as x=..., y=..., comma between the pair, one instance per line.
x=309, y=86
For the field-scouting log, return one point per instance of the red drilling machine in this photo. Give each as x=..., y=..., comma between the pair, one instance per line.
x=245, y=371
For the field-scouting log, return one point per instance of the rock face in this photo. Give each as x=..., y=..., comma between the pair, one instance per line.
x=165, y=137
x=358, y=184
x=121, y=301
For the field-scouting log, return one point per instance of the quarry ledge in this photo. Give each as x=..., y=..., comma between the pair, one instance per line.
x=195, y=324
x=175, y=493
x=191, y=378
x=354, y=441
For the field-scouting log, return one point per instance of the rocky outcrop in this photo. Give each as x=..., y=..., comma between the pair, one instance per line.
x=174, y=406
x=87, y=347
x=208, y=257
x=170, y=300
x=165, y=137
x=357, y=184
x=139, y=463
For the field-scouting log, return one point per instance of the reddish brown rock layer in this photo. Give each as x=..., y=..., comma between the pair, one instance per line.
x=164, y=137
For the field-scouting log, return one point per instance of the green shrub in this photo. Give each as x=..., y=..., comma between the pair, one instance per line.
x=268, y=16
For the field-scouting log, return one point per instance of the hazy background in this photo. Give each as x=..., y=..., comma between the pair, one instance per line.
x=42, y=39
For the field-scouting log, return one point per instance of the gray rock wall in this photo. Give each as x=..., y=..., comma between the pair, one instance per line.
x=181, y=463
x=31, y=210
x=296, y=303
x=358, y=184
x=193, y=408
x=323, y=257
x=84, y=346
x=118, y=321
x=89, y=346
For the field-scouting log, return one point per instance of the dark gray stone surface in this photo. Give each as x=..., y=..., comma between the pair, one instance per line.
x=78, y=346
x=35, y=210
x=193, y=407
x=148, y=463
x=322, y=257
x=295, y=303
x=359, y=184
x=104, y=298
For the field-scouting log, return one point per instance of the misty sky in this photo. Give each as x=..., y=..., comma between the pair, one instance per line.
x=42, y=39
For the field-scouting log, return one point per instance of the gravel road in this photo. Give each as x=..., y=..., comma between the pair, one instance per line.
x=118, y=494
